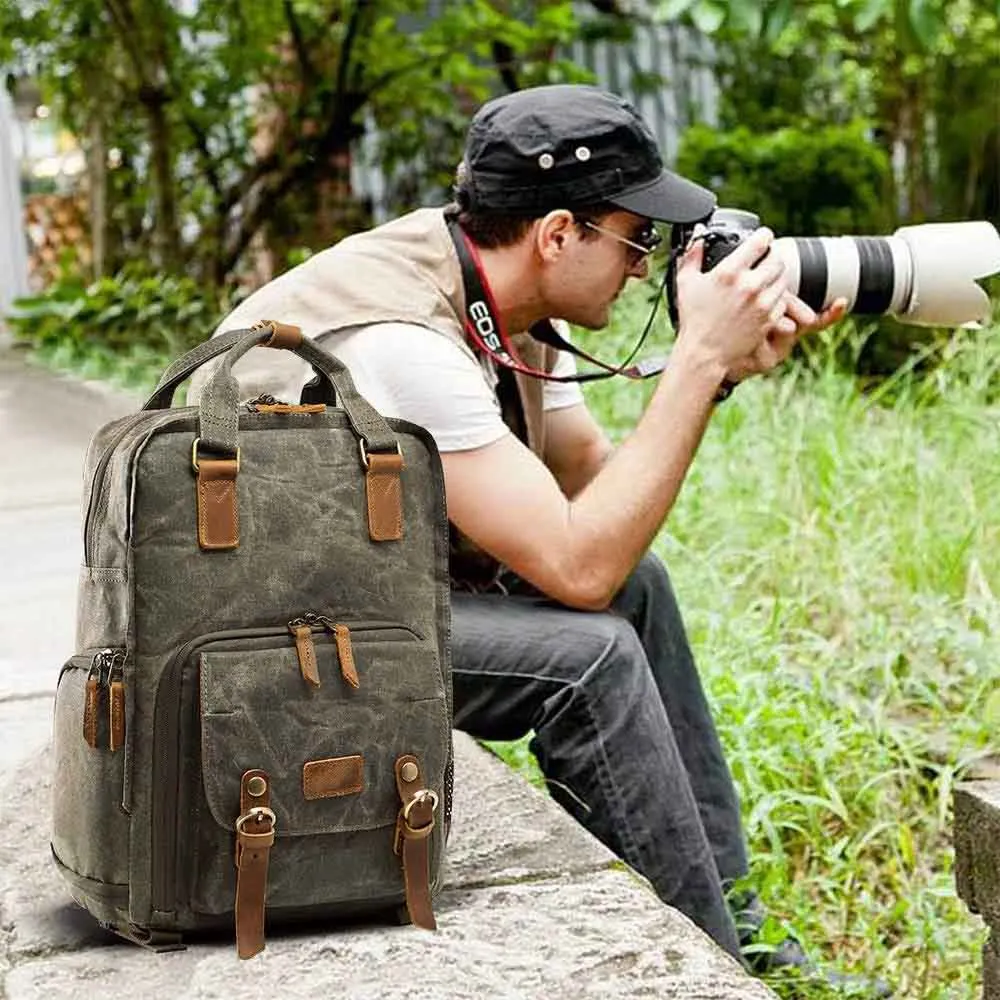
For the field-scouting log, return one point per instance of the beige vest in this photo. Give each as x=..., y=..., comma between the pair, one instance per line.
x=406, y=271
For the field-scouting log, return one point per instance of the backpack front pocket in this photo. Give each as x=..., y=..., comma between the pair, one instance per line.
x=328, y=748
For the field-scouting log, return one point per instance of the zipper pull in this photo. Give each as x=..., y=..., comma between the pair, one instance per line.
x=301, y=630
x=264, y=399
x=116, y=709
x=93, y=697
x=345, y=653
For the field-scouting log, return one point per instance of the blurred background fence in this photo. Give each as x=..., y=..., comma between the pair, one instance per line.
x=664, y=69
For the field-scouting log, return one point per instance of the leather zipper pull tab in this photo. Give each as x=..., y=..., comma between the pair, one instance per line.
x=94, y=696
x=92, y=706
x=306, y=650
x=345, y=653
x=116, y=707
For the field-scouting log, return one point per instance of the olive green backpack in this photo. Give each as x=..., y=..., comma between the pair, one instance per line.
x=258, y=717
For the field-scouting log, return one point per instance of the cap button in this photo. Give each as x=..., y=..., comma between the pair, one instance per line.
x=546, y=161
x=582, y=154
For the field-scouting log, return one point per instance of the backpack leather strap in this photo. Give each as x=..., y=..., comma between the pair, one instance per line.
x=218, y=510
x=254, y=839
x=414, y=826
x=384, y=493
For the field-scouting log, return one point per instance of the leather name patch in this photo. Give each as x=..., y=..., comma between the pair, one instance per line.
x=326, y=779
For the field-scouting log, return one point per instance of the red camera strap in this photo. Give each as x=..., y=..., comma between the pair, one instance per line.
x=486, y=329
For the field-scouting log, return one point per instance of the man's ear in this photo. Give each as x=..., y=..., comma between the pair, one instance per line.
x=552, y=232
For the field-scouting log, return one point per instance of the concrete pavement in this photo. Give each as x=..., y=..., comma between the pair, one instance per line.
x=534, y=907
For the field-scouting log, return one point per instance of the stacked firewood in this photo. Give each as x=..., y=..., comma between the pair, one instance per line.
x=58, y=241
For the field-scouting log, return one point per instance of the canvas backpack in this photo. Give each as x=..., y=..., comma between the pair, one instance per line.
x=258, y=717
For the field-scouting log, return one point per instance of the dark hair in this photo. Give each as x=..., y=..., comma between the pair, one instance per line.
x=492, y=231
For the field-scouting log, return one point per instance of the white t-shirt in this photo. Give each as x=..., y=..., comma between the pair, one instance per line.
x=408, y=371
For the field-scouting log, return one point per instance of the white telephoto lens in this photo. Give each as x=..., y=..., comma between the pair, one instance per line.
x=924, y=275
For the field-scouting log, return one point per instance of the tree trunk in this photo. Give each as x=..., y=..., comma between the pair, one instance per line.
x=915, y=140
x=166, y=234
x=97, y=180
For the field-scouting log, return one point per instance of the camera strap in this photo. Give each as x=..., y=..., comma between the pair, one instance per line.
x=486, y=330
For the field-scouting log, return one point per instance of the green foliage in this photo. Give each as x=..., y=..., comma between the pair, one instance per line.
x=481, y=47
x=917, y=70
x=127, y=327
x=235, y=118
x=833, y=553
x=800, y=182
x=920, y=22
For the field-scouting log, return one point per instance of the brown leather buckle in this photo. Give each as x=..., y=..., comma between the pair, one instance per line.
x=253, y=849
x=419, y=797
x=258, y=812
x=403, y=825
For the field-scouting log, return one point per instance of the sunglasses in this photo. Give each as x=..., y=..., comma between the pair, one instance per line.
x=643, y=245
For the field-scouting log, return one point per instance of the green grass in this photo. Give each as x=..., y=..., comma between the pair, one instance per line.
x=834, y=554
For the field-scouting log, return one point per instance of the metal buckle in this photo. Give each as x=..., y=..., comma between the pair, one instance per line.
x=364, y=452
x=256, y=813
x=419, y=798
x=194, y=455
x=403, y=826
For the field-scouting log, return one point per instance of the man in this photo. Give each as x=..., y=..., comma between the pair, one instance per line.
x=578, y=637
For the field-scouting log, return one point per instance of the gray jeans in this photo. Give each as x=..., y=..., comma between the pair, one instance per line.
x=622, y=729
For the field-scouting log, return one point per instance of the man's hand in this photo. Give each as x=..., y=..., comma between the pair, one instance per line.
x=797, y=320
x=741, y=313
x=727, y=313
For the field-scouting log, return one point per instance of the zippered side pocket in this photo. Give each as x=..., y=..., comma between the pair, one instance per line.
x=89, y=829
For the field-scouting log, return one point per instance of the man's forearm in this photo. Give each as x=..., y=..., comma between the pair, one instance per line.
x=614, y=519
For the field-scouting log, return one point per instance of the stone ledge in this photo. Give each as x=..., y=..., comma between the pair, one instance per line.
x=976, y=827
x=587, y=937
x=504, y=831
x=977, y=847
x=533, y=906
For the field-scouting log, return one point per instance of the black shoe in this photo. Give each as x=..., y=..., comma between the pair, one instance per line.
x=787, y=963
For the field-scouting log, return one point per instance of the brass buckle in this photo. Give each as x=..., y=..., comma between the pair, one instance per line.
x=194, y=455
x=257, y=812
x=403, y=826
x=364, y=452
x=419, y=798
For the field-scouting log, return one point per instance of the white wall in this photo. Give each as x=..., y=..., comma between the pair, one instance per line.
x=13, y=251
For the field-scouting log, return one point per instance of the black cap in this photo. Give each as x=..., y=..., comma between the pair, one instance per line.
x=570, y=146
